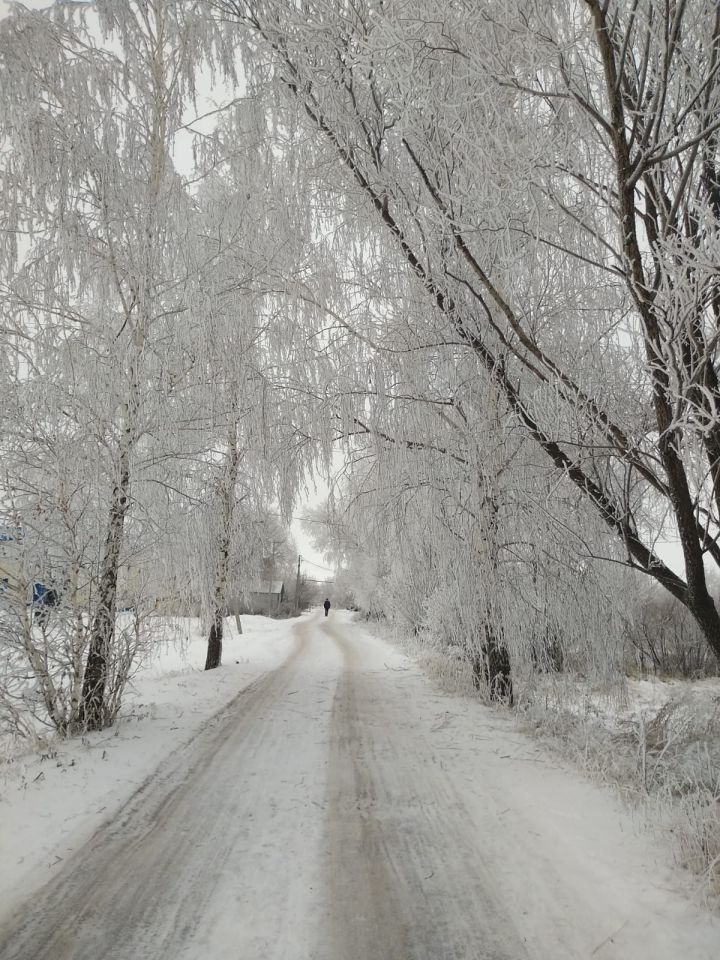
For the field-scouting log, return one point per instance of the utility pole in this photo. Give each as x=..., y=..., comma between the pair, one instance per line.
x=297, y=588
x=270, y=570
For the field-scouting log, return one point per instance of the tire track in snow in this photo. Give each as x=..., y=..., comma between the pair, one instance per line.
x=405, y=871
x=330, y=813
x=366, y=921
x=142, y=886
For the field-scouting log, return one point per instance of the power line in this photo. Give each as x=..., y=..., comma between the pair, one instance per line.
x=306, y=519
x=312, y=563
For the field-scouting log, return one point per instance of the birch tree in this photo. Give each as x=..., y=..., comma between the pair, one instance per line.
x=252, y=232
x=548, y=176
x=453, y=533
x=95, y=213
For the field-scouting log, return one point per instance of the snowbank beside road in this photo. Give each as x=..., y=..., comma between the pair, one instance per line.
x=658, y=743
x=52, y=801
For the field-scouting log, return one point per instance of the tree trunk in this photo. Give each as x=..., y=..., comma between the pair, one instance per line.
x=491, y=668
x=497, y=669
x=546, y=653
x=214, y=651
x=91, y=714
x=702, y=606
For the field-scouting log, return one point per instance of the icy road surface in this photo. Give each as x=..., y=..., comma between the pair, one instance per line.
x=340, y=808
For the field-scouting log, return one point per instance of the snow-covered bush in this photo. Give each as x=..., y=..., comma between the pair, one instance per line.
x=664, y=639
x=662, y=751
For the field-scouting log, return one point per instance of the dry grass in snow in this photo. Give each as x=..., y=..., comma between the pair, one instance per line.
x=656, y=742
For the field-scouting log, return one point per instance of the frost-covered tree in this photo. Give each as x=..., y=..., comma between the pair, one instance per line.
x=95, y=213
x=548, y=177
x=253, y=345
x=452, y=532
x=57, y=469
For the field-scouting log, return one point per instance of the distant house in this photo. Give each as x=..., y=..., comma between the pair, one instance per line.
x=264, y=597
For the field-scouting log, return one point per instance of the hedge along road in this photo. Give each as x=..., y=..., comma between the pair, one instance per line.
x=341, y=808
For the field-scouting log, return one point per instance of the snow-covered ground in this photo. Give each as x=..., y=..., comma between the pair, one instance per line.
x=651, y=693
x=655, y=741
x=640, y=698
x=343, y=808
x=53, y=800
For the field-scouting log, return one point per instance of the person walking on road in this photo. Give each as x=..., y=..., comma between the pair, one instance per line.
x=327, y=607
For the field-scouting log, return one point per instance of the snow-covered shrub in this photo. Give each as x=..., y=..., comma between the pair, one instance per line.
x=664, y=757
x=664, y=639
x=43, y=655
x=694, y=822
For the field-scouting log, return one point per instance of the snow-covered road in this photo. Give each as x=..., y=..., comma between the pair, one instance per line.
x=340, y=808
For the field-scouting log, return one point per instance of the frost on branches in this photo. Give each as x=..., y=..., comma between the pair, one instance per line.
x=139, y=349
x=474, y=246
x=547, y=178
